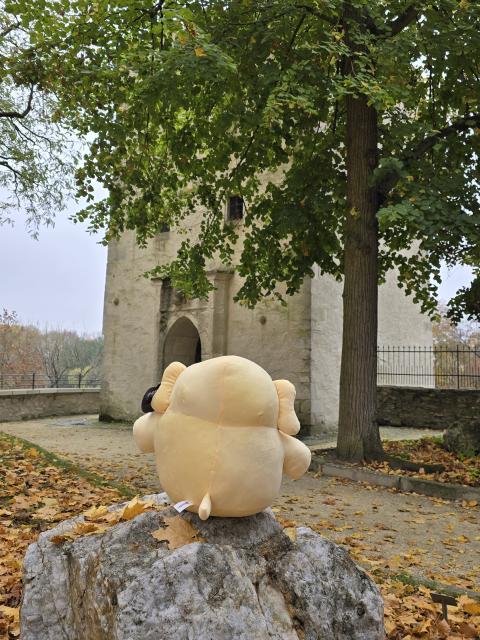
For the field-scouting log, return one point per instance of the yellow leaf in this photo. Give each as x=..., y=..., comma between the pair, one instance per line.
x=95, y=513
x=46, y=513
x=177, y=533
x=291, y=532
x=469, y=605
x=83, y=528
x=199, y=52
x=133, y=508
x=10, y=612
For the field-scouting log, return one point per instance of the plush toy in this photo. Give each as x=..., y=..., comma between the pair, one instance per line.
x=221, y=431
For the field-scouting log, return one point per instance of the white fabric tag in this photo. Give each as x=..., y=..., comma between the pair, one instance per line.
x=181, y=506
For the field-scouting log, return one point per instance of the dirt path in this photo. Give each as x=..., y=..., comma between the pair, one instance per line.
x=382, y=528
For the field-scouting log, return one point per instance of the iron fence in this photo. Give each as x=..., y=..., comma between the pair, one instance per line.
x=36, y=380
x=439, y=367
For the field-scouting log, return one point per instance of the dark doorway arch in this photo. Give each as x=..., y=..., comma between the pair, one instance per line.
x=182, y=344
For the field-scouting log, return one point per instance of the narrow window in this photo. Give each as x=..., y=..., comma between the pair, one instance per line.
x=235, y=208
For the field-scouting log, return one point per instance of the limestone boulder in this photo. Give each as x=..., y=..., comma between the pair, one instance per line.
x=463, y=438
x=246, y=580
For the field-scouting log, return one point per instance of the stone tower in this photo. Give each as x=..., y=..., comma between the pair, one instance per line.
x=147, y=325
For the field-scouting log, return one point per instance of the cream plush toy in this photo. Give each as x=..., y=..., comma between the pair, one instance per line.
x=221, y=431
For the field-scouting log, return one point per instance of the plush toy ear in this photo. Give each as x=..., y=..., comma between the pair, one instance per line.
x=161, y=399
x=287, y=418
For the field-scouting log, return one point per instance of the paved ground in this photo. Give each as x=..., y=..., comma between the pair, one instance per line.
x=383, y=529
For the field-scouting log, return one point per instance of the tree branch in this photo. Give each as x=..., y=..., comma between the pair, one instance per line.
x=19, y=114
x=404, y=19
x=422, y=147
x=8, y=166
x=461, y=124
x=9, y=29
x=395, y=26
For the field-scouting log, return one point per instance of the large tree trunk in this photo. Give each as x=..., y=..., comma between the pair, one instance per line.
x=358, y=433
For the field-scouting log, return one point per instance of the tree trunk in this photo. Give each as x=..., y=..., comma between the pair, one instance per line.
x=358, y=433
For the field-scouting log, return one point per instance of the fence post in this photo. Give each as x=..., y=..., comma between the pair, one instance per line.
x=33, y=380
x=79, y=380
x=458, y=370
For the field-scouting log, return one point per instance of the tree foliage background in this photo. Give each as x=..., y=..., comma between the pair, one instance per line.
x=192, y=101
x=57, y=357
x=36, y=153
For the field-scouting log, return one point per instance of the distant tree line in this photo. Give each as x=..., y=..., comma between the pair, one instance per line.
x=448, y=335
x=57, y=357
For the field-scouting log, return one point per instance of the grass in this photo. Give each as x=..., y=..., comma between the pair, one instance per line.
x=56, y=461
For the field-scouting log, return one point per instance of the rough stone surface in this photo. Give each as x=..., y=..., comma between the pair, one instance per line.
x=248, y=581
x=422, y=407
x=463, y=438
x=24, y=404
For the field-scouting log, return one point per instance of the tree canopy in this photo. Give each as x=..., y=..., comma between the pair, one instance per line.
x=192, y=101
x=35, y=153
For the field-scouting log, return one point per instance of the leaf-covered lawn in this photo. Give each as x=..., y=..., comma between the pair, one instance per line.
x=38, y=490
x=460, y=470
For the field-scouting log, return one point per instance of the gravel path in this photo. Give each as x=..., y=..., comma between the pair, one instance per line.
x=382, y=528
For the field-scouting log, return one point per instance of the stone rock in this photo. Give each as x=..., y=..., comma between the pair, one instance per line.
x=463, y=438
x=247, y=581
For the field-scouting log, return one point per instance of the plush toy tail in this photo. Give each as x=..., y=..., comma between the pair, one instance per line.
x=205, y=507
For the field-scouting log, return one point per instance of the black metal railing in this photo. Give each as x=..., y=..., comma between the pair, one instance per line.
x=36, y=380
x=440, y=367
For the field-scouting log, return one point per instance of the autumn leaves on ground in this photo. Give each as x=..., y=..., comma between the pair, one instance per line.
x=39, y=490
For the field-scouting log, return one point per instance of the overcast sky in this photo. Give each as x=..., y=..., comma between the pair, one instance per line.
x=58, y=281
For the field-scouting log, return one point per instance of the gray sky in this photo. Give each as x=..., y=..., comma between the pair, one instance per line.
x=58, y=281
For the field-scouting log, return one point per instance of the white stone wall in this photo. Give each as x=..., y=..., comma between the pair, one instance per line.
x=326, y=328
x=400, y=323
x=130, y=322
x=277, y=338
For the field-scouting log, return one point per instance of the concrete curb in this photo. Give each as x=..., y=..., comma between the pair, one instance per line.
x=401, y=483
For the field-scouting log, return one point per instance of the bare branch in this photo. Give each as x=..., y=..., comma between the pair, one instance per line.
x=20, y=114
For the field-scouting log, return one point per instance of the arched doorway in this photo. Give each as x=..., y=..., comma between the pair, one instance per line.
x=182, y=344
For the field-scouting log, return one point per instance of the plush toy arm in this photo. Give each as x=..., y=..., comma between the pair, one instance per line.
x=297, y=457
x=161, y=399
x=287, y=418
x=143, y=431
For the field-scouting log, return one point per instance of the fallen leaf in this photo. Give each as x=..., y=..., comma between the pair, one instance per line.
x=291, y=532
x=95, y=513
x=133, y=508
x=469, y=605
x=443, y=628
x=177, y=532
